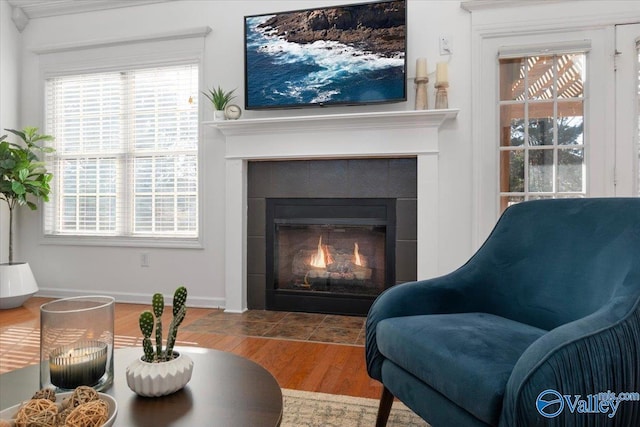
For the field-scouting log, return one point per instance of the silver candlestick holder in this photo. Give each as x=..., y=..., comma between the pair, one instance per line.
x=442, y=98
x=421, y=92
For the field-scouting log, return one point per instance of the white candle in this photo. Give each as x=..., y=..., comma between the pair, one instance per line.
x=80, y=364
x=421, y=68
x=442, y=73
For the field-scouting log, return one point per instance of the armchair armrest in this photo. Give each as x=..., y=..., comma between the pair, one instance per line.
x=445, y=294
x=598, y=353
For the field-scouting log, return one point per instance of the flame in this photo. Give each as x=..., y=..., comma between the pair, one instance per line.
x=318, y=259
x=356, y=255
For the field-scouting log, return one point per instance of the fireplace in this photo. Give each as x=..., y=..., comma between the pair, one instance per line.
x=254, y=144
x=329, y=255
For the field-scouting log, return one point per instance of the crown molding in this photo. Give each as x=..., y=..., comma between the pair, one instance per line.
x=476, y=5
x=186, y=33
x=19, y=18
x=43, y=8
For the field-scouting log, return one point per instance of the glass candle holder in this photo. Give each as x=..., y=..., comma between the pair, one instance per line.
x=442, y=98
x=76, y=343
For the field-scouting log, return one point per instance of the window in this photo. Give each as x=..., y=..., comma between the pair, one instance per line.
x=542, y=147
x=126, y=159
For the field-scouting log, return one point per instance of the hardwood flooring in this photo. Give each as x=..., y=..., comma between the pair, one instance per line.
x=299, y=363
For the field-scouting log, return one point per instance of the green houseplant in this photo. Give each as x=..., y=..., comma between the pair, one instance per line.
x=23, y=181
x=219, y=99
x=160, y=371
x=22, y=173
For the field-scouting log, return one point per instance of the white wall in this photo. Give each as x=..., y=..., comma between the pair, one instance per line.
x=70, y=270
x=10, y=65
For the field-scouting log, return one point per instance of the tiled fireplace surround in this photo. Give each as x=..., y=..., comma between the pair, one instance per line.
x=392, y=140
x=352, y=178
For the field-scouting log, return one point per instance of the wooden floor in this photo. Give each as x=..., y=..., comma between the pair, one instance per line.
x=301, y=365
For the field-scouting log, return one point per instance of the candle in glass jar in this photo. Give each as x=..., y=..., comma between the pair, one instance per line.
x=82, y=363
x=421, y=68
x=442, y=73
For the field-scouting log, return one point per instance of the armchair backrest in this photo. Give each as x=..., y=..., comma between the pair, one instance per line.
x=549, y=262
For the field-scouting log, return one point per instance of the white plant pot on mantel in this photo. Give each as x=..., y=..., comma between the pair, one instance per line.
x=218, y=115
x=160, y=378
x=17, y=284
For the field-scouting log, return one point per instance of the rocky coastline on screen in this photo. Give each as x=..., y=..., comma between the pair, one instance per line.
x=378, y=28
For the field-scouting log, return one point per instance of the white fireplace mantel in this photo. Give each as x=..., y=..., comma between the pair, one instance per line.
x=385, y=119
x=334, y=136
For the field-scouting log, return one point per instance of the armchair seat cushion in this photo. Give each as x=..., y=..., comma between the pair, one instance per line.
x=467, y=357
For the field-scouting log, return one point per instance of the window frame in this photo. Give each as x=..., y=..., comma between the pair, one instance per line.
x=126, y=55
x=498, y=23
x=497, y=29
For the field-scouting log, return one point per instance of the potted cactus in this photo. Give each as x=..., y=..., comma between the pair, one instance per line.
x=160, y=371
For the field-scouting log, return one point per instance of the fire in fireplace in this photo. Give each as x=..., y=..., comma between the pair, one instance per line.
x=329, y=255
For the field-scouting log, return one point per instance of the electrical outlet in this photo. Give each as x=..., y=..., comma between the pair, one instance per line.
x=144, y=260
x=445, y=45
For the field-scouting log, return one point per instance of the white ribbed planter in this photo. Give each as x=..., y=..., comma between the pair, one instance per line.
x=159, y=379
x=17, y=284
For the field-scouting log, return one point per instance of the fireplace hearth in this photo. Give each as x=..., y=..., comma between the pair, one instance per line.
x=329, y=255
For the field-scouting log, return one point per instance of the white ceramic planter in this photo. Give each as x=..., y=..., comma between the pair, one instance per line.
x=17, y=284
x=159, y=379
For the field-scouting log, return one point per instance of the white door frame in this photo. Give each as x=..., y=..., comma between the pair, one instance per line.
x=626, y=79
x=529, y=24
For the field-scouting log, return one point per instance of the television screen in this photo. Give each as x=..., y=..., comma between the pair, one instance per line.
x=341, y=55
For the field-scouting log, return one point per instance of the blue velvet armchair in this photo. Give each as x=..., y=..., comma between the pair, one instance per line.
x=541, y=327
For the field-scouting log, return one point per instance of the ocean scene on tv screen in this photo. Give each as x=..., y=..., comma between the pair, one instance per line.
x=342, y=55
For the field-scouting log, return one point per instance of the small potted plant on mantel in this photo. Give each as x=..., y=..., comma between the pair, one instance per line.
x=160, y=371
x=219, y=98
x=23, y=181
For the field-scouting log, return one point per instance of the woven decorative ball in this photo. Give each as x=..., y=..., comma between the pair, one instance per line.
x=45, y=393
x=62, y=416
x=90, y=414
x=82, y=394
x=37, y=412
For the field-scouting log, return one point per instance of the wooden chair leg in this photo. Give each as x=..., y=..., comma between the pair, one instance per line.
x=386, y=400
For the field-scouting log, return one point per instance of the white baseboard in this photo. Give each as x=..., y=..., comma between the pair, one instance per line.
x=125, y=297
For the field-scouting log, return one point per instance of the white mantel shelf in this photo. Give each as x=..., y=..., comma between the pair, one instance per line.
x=373, y=120
x=339, y=136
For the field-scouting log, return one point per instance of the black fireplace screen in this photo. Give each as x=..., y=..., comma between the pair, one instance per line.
x=345, y=259
x=329, y=255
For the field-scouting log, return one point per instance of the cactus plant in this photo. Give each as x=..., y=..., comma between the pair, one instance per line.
x=179, y=311
x=148, y=321
x=158, y=308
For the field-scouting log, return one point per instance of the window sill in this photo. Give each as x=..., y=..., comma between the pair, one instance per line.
x=131, y=242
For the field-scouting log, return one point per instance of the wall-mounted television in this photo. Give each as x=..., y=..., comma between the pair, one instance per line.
x=341, y=55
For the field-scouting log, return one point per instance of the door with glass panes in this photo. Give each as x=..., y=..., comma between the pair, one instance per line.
x=568, y=119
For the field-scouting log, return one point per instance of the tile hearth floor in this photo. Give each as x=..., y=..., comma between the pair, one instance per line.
x=284, y=325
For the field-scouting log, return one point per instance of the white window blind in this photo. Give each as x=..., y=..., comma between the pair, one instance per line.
x=126, y=159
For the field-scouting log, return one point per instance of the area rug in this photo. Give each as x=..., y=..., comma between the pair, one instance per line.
x=307, y=409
